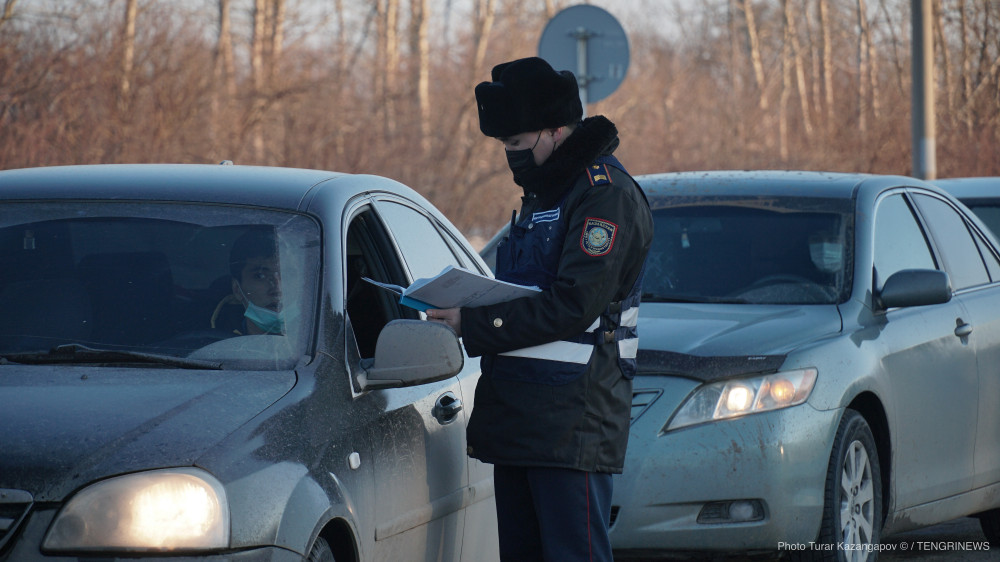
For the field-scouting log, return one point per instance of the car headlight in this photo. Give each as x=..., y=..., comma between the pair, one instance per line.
x=160, y=510
x=738, y=397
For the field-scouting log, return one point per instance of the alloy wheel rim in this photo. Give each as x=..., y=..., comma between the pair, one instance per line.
x=857, y=501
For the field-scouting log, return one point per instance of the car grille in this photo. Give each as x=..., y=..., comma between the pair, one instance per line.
x=14, y=505
x=641, y=400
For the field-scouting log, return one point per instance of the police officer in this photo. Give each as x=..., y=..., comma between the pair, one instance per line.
x=552, y=406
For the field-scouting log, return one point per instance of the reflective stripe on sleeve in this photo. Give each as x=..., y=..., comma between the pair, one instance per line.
x=630, y=317
x=628, y=349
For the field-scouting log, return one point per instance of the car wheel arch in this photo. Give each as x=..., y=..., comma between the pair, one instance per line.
x=340, y=537
x=848, y=491
x=313, y=510
x=873, y=411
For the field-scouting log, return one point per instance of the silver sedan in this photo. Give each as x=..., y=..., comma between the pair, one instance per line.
x=819, y=367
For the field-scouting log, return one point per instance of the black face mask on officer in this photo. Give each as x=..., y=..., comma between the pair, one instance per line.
x=522, y=161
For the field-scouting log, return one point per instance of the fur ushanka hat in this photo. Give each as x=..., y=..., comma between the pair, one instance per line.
x=527, y=95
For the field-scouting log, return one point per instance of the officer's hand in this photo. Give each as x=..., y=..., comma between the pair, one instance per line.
x=450, y=316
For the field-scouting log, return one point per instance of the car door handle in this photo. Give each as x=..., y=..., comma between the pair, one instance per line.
x=963, y=329
x=446, y=408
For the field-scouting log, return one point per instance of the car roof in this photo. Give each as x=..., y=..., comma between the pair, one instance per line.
x=764, y=182
x=274, y=187
x=971, y=188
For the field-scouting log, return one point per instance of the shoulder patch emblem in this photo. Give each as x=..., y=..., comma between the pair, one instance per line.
x=598, y=174
x=598, y=236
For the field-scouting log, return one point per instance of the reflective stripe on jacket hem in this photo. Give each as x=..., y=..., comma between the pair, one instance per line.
x=567, y=352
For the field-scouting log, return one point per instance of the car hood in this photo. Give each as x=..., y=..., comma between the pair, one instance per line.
x=63, y=427
x=712, y=341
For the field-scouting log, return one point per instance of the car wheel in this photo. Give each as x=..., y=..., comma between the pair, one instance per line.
x=990, y=522
x=321, y=551
x=852, y=503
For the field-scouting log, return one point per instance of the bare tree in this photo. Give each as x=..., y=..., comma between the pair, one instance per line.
x=386, y=62
x=8, y=11
x=225, y=65
x=873, y=62
x=420, y=50
x=266, y=48
x=278, y=35
x=258, y=44
x=786, y=86
x=753, y=45
x=736, y=85
x=942, y=48
x=864, y=37
x=800, y=76
x=704, y=99
x=128, y=56
x=223, y=76
x=814, y=49
x=550, y=9
x=824, y=22
x=965, y=58
x=485, y=14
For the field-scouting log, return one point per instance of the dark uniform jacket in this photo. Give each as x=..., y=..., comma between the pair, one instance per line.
x=582, y=236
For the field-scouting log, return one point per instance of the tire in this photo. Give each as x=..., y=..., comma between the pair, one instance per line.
x=852, y=499
x=321, y=552
x=990, y=522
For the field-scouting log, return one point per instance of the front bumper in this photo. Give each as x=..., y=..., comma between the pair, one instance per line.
x=777, y=460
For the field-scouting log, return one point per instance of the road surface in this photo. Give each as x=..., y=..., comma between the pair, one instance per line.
x=954, y=541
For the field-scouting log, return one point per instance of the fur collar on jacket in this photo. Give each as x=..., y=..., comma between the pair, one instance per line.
x=595, y=136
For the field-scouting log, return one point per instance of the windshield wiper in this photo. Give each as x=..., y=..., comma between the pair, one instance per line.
x=76, y=353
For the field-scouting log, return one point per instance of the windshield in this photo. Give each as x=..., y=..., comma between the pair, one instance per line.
x=226, y=285
x=781, y=250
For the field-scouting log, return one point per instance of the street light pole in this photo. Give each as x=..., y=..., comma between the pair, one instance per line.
x=924, y=142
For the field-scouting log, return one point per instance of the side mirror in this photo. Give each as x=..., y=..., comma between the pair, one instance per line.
x=915, y=287
x=411, y=352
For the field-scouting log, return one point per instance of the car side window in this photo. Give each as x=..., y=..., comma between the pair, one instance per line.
x=992, y=263
x=370, y=254
x=425, y=250
x=899, y=240
x=958, y=249
x=988, y=212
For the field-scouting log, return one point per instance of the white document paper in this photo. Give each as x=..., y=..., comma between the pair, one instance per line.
x=456, y=287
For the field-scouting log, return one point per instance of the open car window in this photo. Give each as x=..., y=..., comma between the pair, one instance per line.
x=156, y=278
x=369, y=253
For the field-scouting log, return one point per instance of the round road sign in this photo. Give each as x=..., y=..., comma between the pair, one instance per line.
x=591, y=43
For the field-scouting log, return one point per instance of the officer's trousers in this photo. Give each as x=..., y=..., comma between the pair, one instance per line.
x=552, y=514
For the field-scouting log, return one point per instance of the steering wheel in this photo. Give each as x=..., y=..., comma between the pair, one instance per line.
x=195, y=339
x=779, y=279
x=803, y=290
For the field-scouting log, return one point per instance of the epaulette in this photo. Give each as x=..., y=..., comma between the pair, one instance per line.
x=598, y=174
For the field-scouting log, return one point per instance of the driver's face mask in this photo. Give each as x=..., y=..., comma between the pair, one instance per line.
x=827, y=253
x=269, y=321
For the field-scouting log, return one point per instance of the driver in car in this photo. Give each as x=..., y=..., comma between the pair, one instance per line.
x=256, y=287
